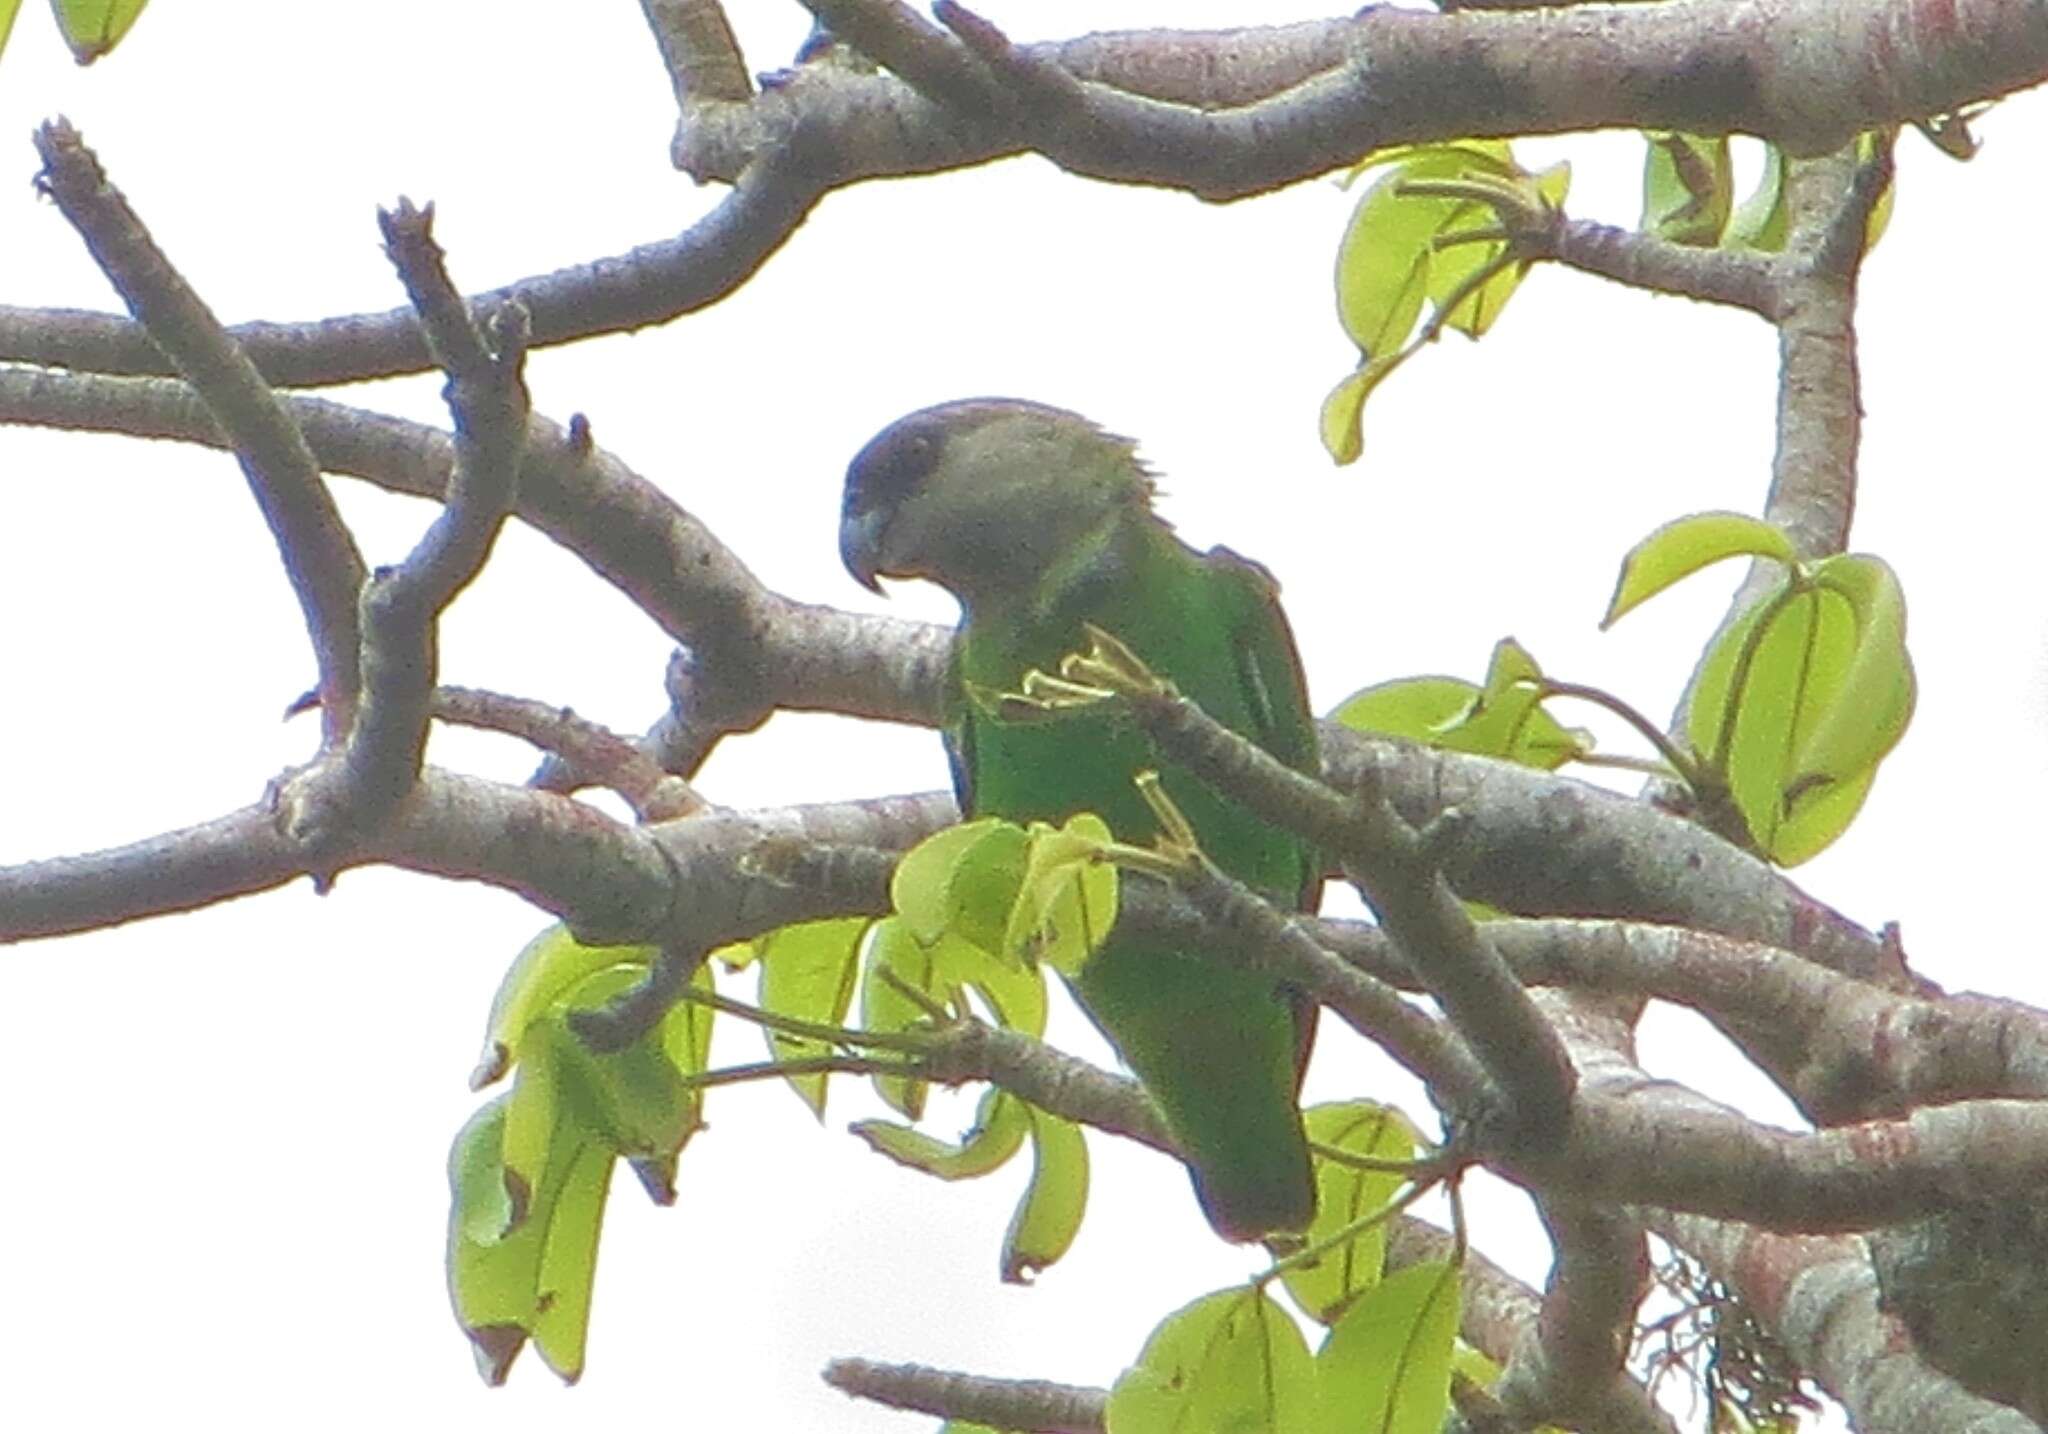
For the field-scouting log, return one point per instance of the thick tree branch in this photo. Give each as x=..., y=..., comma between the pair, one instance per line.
x=1818, y=1295
x=1570, y=1369
x=1543, y=844
x=765, y=650
x=1232, y=113
x=1843, y=1049
x=1637, y=1141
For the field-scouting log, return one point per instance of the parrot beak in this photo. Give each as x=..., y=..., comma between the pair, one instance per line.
x=860, y=545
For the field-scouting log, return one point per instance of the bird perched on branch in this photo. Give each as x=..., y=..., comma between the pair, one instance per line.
x=1039, y=522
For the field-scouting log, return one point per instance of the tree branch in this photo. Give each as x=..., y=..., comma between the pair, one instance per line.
x=600, y=755
x=1818, y=1295
x=1235, y=112
x=1395, y=867
x=1020, y=1404
x=648, y=284
x=401, y=607
x=320, y=557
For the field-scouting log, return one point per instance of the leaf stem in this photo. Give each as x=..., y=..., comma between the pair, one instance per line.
x=809, y=1065
x=807, y=1030
x=1684, y=764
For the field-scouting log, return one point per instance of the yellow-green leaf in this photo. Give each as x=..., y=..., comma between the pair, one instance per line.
x=1230, y=1363
x=1384, y=258
x=1504, y=719
x=1799, y=700
x=1418, y=708
x=1874, y=700
x=633, y=1096
x=921, y=888
x=1000, y=1125
x=8, y=9
x=568, y=1262
x=1684, y=546
x=1481, y=156
x=530, y=1276
x=1013, y=991
x=533, y=1117
x=1387, y=1362
x=93, y=27
x=1049, y=1214
x=1068, y=900
x=1688, y=187
x=894, y=947
x=1343, y=417
x=553, y=964
x=1760, y=221
x=982, y=888
x=808, y=972
x=1345, y=1195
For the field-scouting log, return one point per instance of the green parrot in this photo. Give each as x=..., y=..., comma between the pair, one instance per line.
x=1038, y=521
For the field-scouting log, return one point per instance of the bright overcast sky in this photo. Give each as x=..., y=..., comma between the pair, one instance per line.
x=225, y=1132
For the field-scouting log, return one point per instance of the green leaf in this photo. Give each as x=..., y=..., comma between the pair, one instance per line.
x=1383, y=260
x=1507, y=719
x=633, y=1097
x=1345, y=1195
x=1343, y=418
x=1014, y=993
x=521, y=1266
x=1684, y=546
x=568, y=1262
x=1688, y=187
x=894, y=947
x=1760, y=221
x=1402, y=249
x=982, y=888
x=8, y=8
x=93, y=27
x=1800, y=700
x=1067, y=902
x=686, y=1029
x=1874, y=701
x=534, y=1113
x=808, y=972
x=1451, y=265
x=1477, y=156
x=1387, y=1362
x=921, y=888
x=1230, y=1363
x=1503, y=719
x=553, y=964
x=1000, y=1125
x=1049, y=1215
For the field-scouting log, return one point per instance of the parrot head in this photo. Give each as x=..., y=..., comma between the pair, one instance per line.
x=982, y=494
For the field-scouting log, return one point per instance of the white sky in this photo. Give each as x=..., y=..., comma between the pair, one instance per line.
x=225, y=1132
